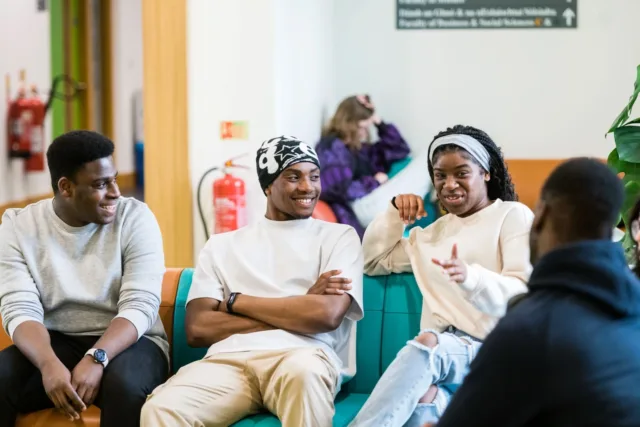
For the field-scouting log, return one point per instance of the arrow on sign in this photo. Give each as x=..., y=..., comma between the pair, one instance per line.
x=568, y=15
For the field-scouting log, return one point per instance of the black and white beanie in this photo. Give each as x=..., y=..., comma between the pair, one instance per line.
x=277, y=154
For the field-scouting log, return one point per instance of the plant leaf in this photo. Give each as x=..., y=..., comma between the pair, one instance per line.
x=627, y=140
x=631, y=170
x=634, y=121
x=624, y=115
x=613, y=159
x=629, y=248
x=631, y=195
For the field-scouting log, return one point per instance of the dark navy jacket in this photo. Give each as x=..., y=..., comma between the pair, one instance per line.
x=567, y=354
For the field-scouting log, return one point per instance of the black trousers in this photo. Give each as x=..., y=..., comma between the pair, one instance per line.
x=126, y=382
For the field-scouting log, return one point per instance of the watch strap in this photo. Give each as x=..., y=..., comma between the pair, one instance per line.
x=232, y=299
x=92, y=352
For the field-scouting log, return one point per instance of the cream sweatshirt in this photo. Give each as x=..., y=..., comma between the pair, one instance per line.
x=493, y=243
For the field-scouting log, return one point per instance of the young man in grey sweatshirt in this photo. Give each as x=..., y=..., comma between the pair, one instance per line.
x=80, y=285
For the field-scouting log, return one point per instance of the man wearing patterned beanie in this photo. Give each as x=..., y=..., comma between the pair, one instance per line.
x=276, y=303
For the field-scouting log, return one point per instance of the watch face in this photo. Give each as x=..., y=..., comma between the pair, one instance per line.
x=100, y=356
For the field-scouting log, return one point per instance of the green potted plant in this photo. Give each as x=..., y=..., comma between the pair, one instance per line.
x=625, y=159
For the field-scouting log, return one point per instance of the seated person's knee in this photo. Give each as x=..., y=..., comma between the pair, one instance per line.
x=150, y=409
x=156, y=405
x=306, y=372
x=428, y=339
x=124, y=386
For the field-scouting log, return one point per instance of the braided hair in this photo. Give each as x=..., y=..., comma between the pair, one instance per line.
x=500, y=185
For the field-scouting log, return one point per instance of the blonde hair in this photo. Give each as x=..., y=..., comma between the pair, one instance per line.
x=344, y=123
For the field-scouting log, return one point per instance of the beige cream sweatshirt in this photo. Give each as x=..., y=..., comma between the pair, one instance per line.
x=494, y=245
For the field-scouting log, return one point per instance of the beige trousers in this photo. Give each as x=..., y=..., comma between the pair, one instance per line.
x=297, y=385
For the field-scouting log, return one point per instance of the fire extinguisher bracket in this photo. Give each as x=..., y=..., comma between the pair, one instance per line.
x=25, y=120
x=229, y=199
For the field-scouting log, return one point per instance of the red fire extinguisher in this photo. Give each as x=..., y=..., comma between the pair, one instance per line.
x=18, y=118
x=25, y=121
x=229, y=203
x=229, y=200
x=35, y=134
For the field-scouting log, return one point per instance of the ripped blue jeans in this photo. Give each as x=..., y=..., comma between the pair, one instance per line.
x=394, y=400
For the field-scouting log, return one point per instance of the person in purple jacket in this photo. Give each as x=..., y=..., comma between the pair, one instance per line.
x=353, y=166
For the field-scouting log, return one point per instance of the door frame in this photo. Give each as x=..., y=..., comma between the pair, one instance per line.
x=167, y=177
x=71, y=28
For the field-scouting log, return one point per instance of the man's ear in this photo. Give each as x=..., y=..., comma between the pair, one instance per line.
x=541, y=212
x=65, y=187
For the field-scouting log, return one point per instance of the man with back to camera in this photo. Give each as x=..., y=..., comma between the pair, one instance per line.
x=277, y=303
x=568, y=352
x=80, y=284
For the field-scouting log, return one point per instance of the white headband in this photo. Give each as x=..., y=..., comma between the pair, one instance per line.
x=469, y=144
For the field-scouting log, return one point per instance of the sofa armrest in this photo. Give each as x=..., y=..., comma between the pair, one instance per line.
x=5, y=341
x=168, y=299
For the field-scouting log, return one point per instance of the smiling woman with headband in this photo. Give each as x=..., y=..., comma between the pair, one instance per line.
x=468, y=264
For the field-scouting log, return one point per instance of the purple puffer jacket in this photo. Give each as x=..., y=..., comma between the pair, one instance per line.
x=347, y=176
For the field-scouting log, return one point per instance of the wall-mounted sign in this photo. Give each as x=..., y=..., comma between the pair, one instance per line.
x=485, y=14
x=234, y=130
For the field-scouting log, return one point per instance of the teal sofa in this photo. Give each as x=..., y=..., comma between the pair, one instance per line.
x=392, y=306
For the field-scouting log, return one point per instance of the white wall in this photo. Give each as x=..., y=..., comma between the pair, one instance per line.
x=32, y=53
x=304, y=63
x=231, y=77
x=539, y=94
x=127, y=76
x=267, y=62
x=283, y=65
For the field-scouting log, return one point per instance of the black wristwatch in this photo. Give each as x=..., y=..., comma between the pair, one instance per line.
x=232, y=299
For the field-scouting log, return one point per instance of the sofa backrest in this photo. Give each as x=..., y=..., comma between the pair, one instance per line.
x=167, y=303
x=181, y=353
x=392, y=305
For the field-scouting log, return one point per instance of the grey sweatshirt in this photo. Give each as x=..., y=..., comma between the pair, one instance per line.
x=76, y=280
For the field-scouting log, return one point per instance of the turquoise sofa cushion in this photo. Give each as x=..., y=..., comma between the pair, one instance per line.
x=392, y=305
x=369, y=337
x=402, y=310
x=397, y=166
x=181, y=353
x=347, y=406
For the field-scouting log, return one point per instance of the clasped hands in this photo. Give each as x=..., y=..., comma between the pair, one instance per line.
x=72, y=392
